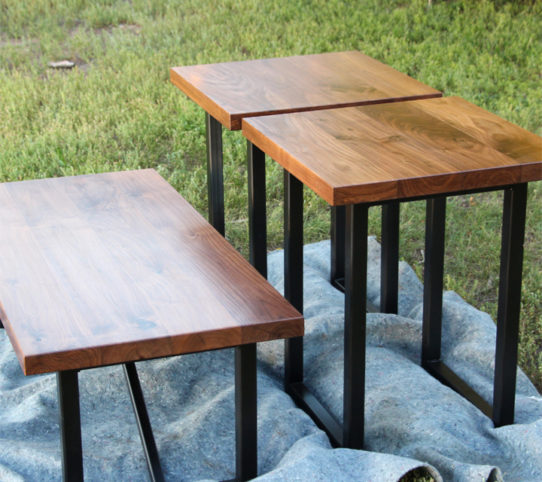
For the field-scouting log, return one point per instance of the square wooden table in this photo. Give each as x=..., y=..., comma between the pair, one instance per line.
x=425, y=149
x=232, y=91
x=114, y=268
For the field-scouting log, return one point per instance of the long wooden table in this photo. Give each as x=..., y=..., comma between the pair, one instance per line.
x=377, y=154
x=232, y=91
x=115, y=268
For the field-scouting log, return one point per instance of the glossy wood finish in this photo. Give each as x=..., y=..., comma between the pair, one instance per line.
x=398, y=151
x=231, y=91
x=118, y=267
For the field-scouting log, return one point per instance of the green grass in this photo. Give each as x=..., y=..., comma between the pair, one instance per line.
x=117, y=109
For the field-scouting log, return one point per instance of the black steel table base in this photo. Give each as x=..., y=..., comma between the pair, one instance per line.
x=349, y=273
x=245, y=419
x=513, y=233
x=70, y=424
x=350, y=433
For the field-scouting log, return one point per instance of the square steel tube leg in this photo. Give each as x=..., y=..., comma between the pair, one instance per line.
x=389, y=265
x=257, y=219
x=246, y=430
x=338, y=220
x=70, y=425
x=293, y=272
x=355, y=314
x=513, y=234
x=215, y=173
x=435, y=223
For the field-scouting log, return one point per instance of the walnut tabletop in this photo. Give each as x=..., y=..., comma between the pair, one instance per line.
x=398, y=151
x=118, y=267
x=231, y=91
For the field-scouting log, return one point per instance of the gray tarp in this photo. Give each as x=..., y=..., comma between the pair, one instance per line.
x=411, y=419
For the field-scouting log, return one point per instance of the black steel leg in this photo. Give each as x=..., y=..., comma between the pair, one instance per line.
x=513, y=231
x=215, y=174
x=257, y=219
x=293, y=272
x=355, y=309
x=350, y=433
x=293, y=292
x=389, y=266
x=143, y=422
x=338, y=221
x=432, y=306
x=70, y=425
x=435, y=223
x=246, y=433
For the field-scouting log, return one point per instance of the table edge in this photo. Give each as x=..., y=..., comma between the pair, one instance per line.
x=398, y=189
x=161, y=347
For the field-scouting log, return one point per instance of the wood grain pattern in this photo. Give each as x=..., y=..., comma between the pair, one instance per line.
x=397, y=151
x=231, y=91
x=118, y=267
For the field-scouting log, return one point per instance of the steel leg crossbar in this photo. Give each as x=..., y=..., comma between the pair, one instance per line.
x=389, y=271
x=143, y=422
x=513, y=231
x=215, y=173
x=350, y=432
